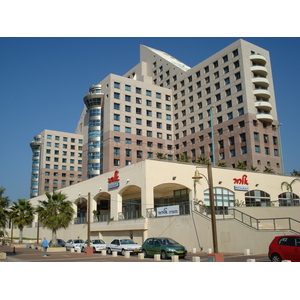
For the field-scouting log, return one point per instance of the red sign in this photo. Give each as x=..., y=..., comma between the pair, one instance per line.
x=114, y=178
x=242, y=180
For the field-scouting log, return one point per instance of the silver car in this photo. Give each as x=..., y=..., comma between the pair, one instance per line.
x=97, y=244
x=122, y=246
x=76, y=244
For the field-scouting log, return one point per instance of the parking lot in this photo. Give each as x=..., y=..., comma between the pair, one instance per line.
x=33, y=255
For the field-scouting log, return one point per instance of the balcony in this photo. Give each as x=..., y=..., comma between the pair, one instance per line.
x=259, y=70
x=263, y=105
x=262, y=93
x=261, y=81
x=264, y=117
x=258, y=59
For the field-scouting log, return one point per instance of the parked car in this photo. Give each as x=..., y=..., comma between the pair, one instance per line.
x=286, y=247
x=166, y=247
x=77, y=244
x=97, y=244
x=122, y=246
x=60, y=242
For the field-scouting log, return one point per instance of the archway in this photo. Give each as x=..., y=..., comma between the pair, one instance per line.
x=131, y=203
x=102, y=212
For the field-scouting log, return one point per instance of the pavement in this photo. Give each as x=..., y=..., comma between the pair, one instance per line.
x=21, y=254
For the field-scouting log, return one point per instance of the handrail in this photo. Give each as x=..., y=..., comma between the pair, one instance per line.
x=285, y=223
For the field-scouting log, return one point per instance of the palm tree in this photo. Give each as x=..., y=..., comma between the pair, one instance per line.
x=241, y=165
x=183, y=157
x=55, y=213
x=295, y=173
x=160, y=155
x=289, y=187
x=4, y=202
x=202, y=160
x=22, y=214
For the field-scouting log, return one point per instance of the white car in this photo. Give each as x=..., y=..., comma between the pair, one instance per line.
x=97, y=244
x=76, y=244
x=122, y=246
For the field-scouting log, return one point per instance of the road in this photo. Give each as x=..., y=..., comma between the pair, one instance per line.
x=32, y=255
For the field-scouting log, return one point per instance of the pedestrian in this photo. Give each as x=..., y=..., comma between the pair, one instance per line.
x=45, y=245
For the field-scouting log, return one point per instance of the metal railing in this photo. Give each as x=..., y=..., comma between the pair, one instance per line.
x=271, y=224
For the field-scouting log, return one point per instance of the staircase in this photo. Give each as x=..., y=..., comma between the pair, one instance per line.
x=270, y=224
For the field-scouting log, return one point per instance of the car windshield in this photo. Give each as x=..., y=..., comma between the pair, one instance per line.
x=167, y=241
x=98, y=242
x=78, y=241
x=126, y=242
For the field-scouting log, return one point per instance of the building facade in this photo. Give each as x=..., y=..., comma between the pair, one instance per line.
x=56, y=161
x=222, y=109
x=161, y=198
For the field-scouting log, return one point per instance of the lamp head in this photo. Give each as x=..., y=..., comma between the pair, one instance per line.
x=197, y=175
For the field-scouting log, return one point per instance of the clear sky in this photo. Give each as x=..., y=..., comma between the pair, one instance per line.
x=43, y=81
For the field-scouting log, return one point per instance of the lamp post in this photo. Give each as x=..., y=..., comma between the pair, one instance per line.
x=88, y=219
x=209, y=180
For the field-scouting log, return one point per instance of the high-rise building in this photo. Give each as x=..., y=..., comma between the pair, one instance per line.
x=56, y=161
x=222, y=109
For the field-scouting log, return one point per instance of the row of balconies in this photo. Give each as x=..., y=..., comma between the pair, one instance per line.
x=261, y=92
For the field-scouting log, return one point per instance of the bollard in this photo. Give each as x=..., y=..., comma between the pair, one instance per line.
x=194, y=250
x=286, y=260
x=103, y=252
x=156, y=257
x=175, y=258
x=141, y=255
x=250, y=260
x=127, y=254
x=246, y=251
x=114, y=253
x=72, y=250
x=209, y=251
x=196, y=259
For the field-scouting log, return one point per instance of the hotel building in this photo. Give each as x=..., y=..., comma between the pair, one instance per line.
x=56, y=161
x=222, y=109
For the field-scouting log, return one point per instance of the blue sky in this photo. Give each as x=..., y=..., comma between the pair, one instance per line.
x=43, y=81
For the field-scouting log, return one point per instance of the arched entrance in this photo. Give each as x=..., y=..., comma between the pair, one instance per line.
x=81, y=215
x=169, y=194
x=131, y=203
x=102, y=212
x=257, y=198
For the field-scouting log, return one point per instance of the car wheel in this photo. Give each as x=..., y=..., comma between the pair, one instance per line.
x=275, y=257
x=163, y=255
x=123, y=252
x=108, y=251
x=145, y=253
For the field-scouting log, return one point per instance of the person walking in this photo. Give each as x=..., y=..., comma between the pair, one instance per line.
x=45, y=245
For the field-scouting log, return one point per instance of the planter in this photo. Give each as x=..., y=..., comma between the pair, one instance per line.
x=55, y=249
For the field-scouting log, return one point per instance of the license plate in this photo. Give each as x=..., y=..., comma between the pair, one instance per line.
x=136, y=250
x=180, y=252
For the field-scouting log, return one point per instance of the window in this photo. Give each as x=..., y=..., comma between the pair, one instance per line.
x=235, y=53
x=117, y=95
x=256, y=136
x=158, y=95
x=257, y=198
x=116, y=128
x=138, y=90
x=257, y=149
x=127, y=130
x=148, y=93
x=116, y=85
x=227, y=80
x=117, y=106
x=127, y=108
x=127, y=98
x=127, y=87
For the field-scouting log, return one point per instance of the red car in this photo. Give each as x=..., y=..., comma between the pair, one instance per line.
x=286, y=247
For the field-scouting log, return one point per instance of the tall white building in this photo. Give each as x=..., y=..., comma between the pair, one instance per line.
x=222, y=109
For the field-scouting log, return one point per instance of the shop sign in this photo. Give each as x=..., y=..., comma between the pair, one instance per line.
x=113, y=182
x=243, y=181
x=172, y=210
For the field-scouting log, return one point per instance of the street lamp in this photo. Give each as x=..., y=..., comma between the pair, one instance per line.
x=209, y=180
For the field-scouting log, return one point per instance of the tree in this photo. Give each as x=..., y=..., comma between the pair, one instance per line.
x=4, y=202
x=289, y=187
x=222, y=164
x=241, y=165
x=160, y=155
x=268, y=170
x=295, y=173
x=202, y=160
x=55, y=213
x=183, y=157
x=22, y=214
